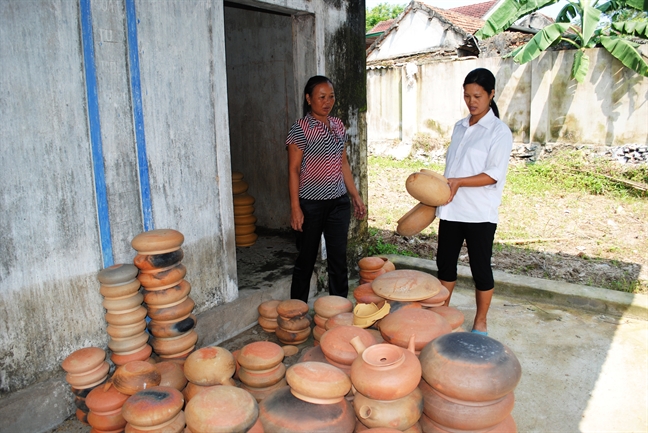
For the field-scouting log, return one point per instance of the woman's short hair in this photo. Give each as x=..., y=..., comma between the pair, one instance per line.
x=313, y=82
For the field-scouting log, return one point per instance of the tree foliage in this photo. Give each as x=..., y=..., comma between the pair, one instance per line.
x=382, y=12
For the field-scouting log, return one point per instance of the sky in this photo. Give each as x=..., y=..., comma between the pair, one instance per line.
x=551, y=11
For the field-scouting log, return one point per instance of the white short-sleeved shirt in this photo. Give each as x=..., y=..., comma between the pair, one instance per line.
x=484, y=147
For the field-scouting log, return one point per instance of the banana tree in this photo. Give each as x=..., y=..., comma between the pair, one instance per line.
x=591, y=32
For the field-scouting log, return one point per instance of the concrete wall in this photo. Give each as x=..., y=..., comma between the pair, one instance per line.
x=538, y=100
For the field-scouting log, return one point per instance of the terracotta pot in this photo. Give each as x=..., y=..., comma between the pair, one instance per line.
x=170, y=312
x=454, y=317
x=84, y=360
x=428, y=189
x=365, y=315
x=371, y=275
x=268, y=325
x=312, y=354
x=406, y=285
x=147, y=263
x=121, y=290
x=176, y=425
x=260, y=355
x=89, y=378
x=364, y=294
x=244, y=229
x=416, y=428
x=292, y=337
x=221, y=409
x=385, y=371
x=164, y=277
x=319, y=320
x=243, y=200
x=329, y=306
x=210, y=365
x=401, y=413
x=171, y=374
x=246, y=240
x=82, y=416
x=336, y=343
x=377, y=335
x=179, y=356
x=318, y=331
x=438, y=298
x=126, y=318
x=243, y=210
x=282, y=412
x=289, y=350
x=257, y=427
x=105, y=399
x=262, y=378
x=425, y=325
x=342, y=319
x=127, y=330
x=167, y=296
x=388, y=266
x=128, y=344
x=108, y=422
x=117, y=274
x=463, y=415
x=296, y=323
x=80, y=403
x=167, y=329
x=471, y=367
x=317, y=382
x=239, y=187
x=292, y=308
x=244, y=220
x=157, y=241
x=236, y=176
x=135, y=376
x=259, y=393
x=153, y=407
x=172, y=345
x=416, y=220
x=398, y=305
x=127, y=303
x=268, y=309
x=192, y=389
x=141, y=355
x=429, y=426
x=370, y=263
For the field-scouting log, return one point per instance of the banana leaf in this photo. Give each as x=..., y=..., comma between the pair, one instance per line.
x=567, y=14
x=580, y=66
x=634, y=28
x=591, y=18
x=508, y=13
x=642, y=5
x=613, y=5
x=540, y=42
x=625, y=53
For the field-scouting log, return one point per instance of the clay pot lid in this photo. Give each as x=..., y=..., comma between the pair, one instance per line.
x=451, y=314
x=117, y=274
x=406, y=285
x=237, y=175
x=364, y=294
x=153, y=406
x=135, y=376
x=171, y=374
x=342, y=319
x=416, y=220
x=158, y=241
x=336, y=343
x=290, y=350
x=260, y=355
x=90, y=378
x=425, y=325
x=84, y=360
x=243, y=199
x=211, y=365
x=371, y=263
x=329, y=306
x=292, y=308
x=221, y=409
x=365, y=315
x=105, y=399
x=317, y=382
x=440, y=297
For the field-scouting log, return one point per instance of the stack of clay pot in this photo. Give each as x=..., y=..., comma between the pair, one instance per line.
x=268, y=315
x=208, y=367
x=431, y=190
x=222, y=409
x=154, y=410
x=261, y=368
x=135, y=376
x=418, y=323
x=166, y=292
x=372, y=267
x=294, y=323
x=468, y=383
x=326, y=307
x=86, y=369
x=105, y=404
x=386, y=379
x=125, y=314
x=336, y=345
x=244, y=219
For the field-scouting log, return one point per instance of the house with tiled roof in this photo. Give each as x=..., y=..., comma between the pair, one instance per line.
x=377, y=31
x=477, y=10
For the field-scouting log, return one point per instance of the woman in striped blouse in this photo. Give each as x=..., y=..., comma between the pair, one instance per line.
x=321, y=189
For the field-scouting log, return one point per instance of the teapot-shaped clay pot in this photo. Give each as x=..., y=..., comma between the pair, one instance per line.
x=400, y=414
x=385, y=371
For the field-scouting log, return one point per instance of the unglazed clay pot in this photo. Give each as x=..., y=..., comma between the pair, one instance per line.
x=126, y=317
x=262, y=392
x=163, y=277
x=470, y=367
x=117, y=274
x=244, y=220
x=385, y=371
x=112, y=421
x=262, y=378
x=371, y=263
x=221, y=409
x=210, y=365
x=368, y=276
x=192, y=389
x=244, y=229
x=416, y=220
x=84, y=360
x=428, y=189
x=105, y=399
x=239, y=187
x=425, y=325
x=128, y=344
x=429, y=426
x=167, y=296
x=135, y=376
x=121, y=290
x=401, y=413
x=297, y=323
x=246, y=240
x=243, y=200
x=260, y=355
x=171, y=311
x=175, y=425
x=416, y=428
x=312, y=354
x=126, y=330
x=342, y=319
x=89, y=378
x=388, y=266
x=329, y=306
x=292, y=308
x=268, y=309
x=140, y=355
x=172, y=328
x=317, y=382
x=282, y=412
x=171, y=374
x=153, y=408
x=127, y=303
x=157, y=241
x=463, y=415
x=454, y=317
x=320, y=321
x=406, y=285
x=152, y=263
x=336, y=343
x=172, y=345
x=243, y=210
x=364, y=294
x=292, y=337
x=268, y=325
x=436, y=299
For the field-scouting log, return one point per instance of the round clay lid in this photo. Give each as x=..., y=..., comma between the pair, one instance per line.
x=135, y=376
x=397, y=328
x=237, y=175
x=371, y=263
x=268, y=309
x=105, y=399
x=292, y=308
x=260, y=355
x=406, y=285
x=84, y=360
x=329, y=306
x=157, y=241
x=153, y=406
x=342, y=319
x=318, y=382
x=117, y=274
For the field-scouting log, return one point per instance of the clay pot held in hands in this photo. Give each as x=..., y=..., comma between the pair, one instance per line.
x=210, y=365
x=292, y=337
x=428, y=189
x=416, y=220
x=221, y=409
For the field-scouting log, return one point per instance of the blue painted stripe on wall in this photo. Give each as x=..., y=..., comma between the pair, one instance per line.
x=95, y=133
x=138, y=116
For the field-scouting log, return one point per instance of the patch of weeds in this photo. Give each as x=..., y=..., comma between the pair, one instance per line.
x=625, y=285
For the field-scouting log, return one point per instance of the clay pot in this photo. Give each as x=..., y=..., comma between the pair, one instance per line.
x=416, y=428
x=244, y=220
x=128, y=344
x=170, y=311
x=243, y=210
x=370, y=263
x=342, y=319
x=336, y=343
x=210, y=365
x=172, y=328
x=436, y=299
x=260, y=355
x=317, y=382
x=179, y=357
x=157, y=241
x=175, y=425
x=105, y=399
x=148, y=263
x=126, y=318
x=388, y=266
x=430, y=190
x=329, y=306
x=367, y=276
x=320, y=321
x=463, y=415
x=364, y=294
x=236, y=176
x=127, y=303
x=221, y=409
x=173, y=345
x=416, y=220
x=167, y=296
x=244, y=229
x=292, y=308
x=398, y=305
x=425, y=325
x=246, y=240
x=243, y=200
x=82, y=416
x=296, y=323
x=117, y=274
x=259, y=393
x=385, y=371
x=289, y=350
x=268, y=325
x=135, y=376
x=282, y=412
x=163, y=277
x=121, y=290
x=268, y=309
x=112, y=421
x=239, y=187
x=313, y=354
x=153, y=407
x=192, y=389
x=262, y=378
x=401, y=413
x=365, y=315
x=292, y=337
x=471, y=367
x=89, y=378
x=506, y=426
x=84, y=360
x=406, y=285
x=127, y=330
x=454, y=317
x=140, y=355
x=257, y=427
x=171, y=374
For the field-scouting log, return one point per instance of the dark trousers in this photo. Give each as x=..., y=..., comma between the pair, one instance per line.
x=330, y=217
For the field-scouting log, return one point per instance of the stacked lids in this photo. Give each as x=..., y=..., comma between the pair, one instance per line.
x=244, y=219
x=261, y=368
x=293, y=322
x=86, y=369
x=318, y=382
x=105, y=405
x=268, y=315
x=135, y=376
x=326, y=307
x=370, y=268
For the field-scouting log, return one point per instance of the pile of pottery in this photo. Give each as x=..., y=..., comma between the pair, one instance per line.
x=166, y=292
x=86, y=369
x=221, y=409
x=105, y=405
x=293, y=322
x=125, y=314
x=261, y=368
x=206, y=368
x=326, y=307
x=244, y=219
x=171, y=374
x=431, y=190
x=336, y=345
x=135, y=376
x=372, y=267
x=468, y=382
x=158, y=408
x=268, y=315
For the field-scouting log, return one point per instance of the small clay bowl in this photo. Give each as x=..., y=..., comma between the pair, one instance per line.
x=210, y=365
x=84, y=360
x=151, y=263
x=292, y=308
x=329, y=306
x=140, y=355
x=117, y=274
x=222, y=409
x=167, y=296
x=135, y=376
x=172, y=345
x=167, y=329
x=121, y=290
x=153, y=407
x=157, y=241
x=268, y=309
x=317, y=382
x=171, y=374
x=260, y=355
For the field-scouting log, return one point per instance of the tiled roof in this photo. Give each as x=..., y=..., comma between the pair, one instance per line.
x=477, y=10
x=466, y=23
x=381, y=26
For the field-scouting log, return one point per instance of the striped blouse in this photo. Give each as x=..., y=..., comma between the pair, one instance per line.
x=320, y=176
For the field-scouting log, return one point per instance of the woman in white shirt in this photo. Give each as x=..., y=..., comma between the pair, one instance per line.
x=476, y=165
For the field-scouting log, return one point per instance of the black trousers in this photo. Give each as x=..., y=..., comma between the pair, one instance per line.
x=330, y=217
